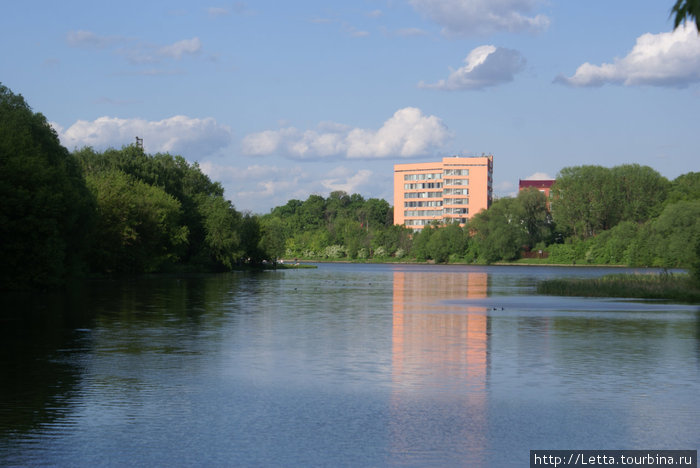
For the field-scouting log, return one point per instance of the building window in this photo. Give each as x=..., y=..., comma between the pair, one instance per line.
x=430, y=176
x=456, y=181
x=414, y=204
x=423, y=195
x=421, y=186
x=457, y=172
x=455, y=201
x=408, y=213
x=455, y=191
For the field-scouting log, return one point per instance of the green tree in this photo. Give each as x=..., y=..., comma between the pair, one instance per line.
x=251, y=236
x=684, y=188
x=274, y=237
x=46, y=212
x=204, y=210
x=447, y=242
x=421, y=240
x=499, y=232
x=584, y=200
x=311, y=212
x=138, y=226
x=536, y=219
x=640, y=192
x=677, y=233
x=686, y=10
x=222, y=247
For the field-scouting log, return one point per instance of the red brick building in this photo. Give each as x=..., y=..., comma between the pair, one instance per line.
x=543, y=186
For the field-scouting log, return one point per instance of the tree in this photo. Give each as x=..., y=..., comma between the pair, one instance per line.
x=274, y=237
x=46, y=212
x=251, y=236
x=222, y=242
x=204, y=210
x=640, y=191
x=584, y=200
x=685, y=187
x=536, y=218
x=677, y=233
x=138, y=226
x=445, y=242
x=686, y=10
x=499, y=232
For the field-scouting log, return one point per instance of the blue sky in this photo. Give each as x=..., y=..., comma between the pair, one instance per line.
x=280, y=100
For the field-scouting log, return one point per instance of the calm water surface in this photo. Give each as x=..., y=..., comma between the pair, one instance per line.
x=344, y=365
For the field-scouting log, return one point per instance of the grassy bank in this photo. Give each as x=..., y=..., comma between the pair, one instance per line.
x=677, y=287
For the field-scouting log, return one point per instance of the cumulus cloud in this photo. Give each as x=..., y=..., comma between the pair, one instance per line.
x=665, y=59
x=180, y=48
x=406, y=134
x=539, y=176
x=346, y=180
x=478, y=17
x=485, y=66
x=135, y=51
x=179, y=134
x=261, y=187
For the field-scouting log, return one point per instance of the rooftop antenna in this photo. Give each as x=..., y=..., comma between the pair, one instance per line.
x=139, y=143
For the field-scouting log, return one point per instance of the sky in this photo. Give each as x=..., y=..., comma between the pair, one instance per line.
x=279, y=100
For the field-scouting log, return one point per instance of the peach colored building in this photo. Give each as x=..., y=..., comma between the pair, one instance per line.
x=454, y=189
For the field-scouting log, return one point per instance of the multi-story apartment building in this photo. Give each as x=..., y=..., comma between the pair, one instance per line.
x=450, y=190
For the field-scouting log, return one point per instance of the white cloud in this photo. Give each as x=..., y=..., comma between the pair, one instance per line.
x=180, y=48
x=261, y=187
x=485, y=66
x=478, y=17
x=136, y=52
x=664, y=59
x=539, y=176
x=406, y=134
x=83, y=38
x=179, y=134
x=353, y=31
x=343, y=179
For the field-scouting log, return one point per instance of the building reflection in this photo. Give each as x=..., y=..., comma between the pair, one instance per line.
x=440, y=353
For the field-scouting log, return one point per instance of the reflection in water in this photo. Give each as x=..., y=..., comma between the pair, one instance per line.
x=439, y=350
x=58, y=350
x=353, y=365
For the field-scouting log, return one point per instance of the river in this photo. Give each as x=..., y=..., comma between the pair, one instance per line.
x=343, y=365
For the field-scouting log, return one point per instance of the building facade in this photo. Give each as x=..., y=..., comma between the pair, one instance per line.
x=451, y=190
x=544, y=185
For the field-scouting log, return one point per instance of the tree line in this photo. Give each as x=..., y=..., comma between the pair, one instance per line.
x=625, y=215
x=119, y=211
x=122, y=211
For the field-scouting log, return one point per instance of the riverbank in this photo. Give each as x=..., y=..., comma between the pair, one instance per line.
x=668, y=286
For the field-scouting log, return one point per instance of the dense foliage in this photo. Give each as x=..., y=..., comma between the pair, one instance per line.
x=341, y=226
x=123, y=211
x=120, y=211
x=646, y=220
x=625, y=215
x=158, y=212
x=47, y=211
